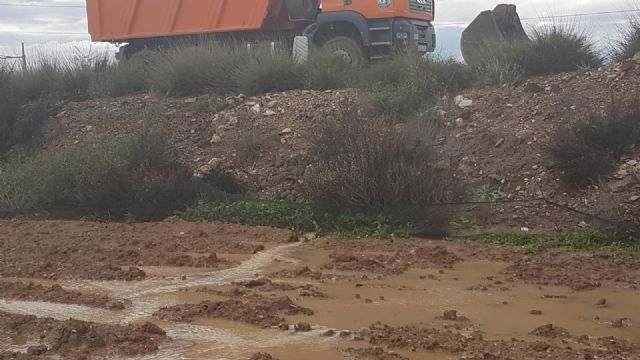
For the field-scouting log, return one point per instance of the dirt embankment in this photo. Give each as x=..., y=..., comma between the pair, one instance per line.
x=499, y=142
x=56, y=294
x=112, y=251
x=73, y=339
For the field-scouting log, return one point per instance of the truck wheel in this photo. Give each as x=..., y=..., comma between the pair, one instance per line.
x=347, y=49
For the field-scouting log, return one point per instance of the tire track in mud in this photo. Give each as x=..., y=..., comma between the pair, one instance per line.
x=147, y=296
x=137, y=291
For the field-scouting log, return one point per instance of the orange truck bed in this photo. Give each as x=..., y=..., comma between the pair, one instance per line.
x=114, y=20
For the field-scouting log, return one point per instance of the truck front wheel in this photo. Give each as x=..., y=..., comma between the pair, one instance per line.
x=346, y=48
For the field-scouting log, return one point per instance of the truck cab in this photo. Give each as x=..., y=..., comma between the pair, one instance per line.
x=379, y=27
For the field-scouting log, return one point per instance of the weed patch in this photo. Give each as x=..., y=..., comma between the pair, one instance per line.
x=302, y=217
x=583, y=239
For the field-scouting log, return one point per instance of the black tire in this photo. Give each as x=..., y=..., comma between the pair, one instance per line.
x=346, y=48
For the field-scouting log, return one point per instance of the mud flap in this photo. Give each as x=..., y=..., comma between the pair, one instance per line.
x=301, y=49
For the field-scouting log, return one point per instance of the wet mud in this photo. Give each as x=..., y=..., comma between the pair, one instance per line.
x=240, y=293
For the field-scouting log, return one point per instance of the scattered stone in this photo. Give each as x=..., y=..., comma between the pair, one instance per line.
x=623, y=185
x=303, y=327
x=345, y=333
x=535, y=312
x=601, y=303
x=636, y=57
x=499, y=143
x=532, y=87
x=261, y=356
x=256, y=108
x=450, y=315
x=190, y=100
x=621, y=323
x=368, y=301
x=269, y=113
x=540, y=346
x=215, y=139
x=358, y=296
x=634, y=198
x=462, y=102
x=283, y=327
x=364, y=331
x=37, y=350
x=329, y=333
x=286, y=131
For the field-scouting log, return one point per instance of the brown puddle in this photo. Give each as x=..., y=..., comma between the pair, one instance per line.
x=501, y=311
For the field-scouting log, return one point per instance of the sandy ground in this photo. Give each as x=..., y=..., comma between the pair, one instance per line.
x=84, y=290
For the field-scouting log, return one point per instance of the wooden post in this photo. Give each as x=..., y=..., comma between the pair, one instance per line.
x=24, y=59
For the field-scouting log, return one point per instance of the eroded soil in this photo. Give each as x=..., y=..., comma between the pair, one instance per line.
x=250, y=293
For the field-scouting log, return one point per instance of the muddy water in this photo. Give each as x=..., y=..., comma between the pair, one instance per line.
x=418, y=296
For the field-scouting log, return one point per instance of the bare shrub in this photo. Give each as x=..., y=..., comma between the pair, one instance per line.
x=590, y=148
x=367, y=164
x=250, y=144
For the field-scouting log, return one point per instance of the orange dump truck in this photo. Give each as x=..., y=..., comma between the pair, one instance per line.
x=356, y=29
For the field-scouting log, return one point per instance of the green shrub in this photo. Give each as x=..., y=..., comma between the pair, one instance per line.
x=138, y=175
x=119, y=79
x=190, y=69
x=326, y=72
x=404, y=84
x=270, y=72
x=629, y=43
x=551, y=49
x=558, y=48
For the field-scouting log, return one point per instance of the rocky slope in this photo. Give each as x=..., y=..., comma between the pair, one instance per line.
x=495, y=144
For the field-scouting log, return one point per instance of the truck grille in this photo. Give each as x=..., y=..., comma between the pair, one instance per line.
x=421, y=6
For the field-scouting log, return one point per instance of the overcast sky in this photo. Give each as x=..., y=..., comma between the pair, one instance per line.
x=31, y=22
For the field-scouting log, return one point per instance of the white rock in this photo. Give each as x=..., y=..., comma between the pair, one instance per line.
x=632, y=162
x=216, y=139
x=286, y=131
x=190, y=100
x=636, y=57
x=462, y=102
x=256, y=108
x=634, y=198
x=269, y=113
x=215, y=162
x=524, y=229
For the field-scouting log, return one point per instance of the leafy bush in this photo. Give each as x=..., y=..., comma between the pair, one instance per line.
x=591, y=147
x=629, y=43
x=367, y=165
x=138, y=175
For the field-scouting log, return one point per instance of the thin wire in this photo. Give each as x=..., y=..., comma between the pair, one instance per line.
x=43, y=5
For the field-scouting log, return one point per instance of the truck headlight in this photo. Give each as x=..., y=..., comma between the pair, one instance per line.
x=384, y=3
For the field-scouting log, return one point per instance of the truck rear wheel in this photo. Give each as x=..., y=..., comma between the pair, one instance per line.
x=347, y=49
